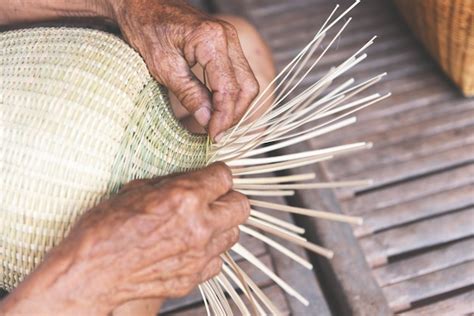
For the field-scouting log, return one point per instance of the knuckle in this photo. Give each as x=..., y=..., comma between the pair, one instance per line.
x=225, y=173
x=189, y=198
x=215, y=29
x=200, y=265
x=230, y=29
x=151, y=201
x=244, y=203
x=234, y=236
x=233, y=90
x=184, y=192
x=191, y=95
x=216, y=267
x=200, y=235
x=251, y=88
x=183, y=285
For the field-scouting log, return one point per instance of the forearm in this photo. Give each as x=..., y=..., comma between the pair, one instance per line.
x=24, y=11
x=57, y=287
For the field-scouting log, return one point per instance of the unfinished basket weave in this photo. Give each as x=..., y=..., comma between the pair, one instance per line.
x=80, y=115
x=446, y=28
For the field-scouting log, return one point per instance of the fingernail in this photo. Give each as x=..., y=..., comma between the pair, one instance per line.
x=218, y=137
x=203, y=115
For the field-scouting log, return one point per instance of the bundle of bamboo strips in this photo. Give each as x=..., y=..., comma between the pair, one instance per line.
x=313, y=112
x=139, y=137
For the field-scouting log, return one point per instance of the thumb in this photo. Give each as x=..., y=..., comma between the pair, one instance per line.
x=177, y=76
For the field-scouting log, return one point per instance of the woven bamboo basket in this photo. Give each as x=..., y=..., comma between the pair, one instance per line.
x=446, y=29
x=77, y=122
x=81, y=116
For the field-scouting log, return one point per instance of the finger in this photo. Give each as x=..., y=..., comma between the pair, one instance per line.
x=192, y=94
x=249, y=87
x=229, y=211
x=211, y=182
x=137, y=183
x=172, y=287
x=223, y=242
x=209, y=48
x=212, y=269
x=134, y=184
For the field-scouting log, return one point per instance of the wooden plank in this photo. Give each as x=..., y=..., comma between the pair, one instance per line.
x=311, y=19
x=379, y=247
x=403, y=117
x=273, y=292
x=412, y=90
x=286, y=49
x=431, y=261
x=420, y=166
x=410, y=190
x=403, y=213
x=398, y=137
x=402, y=295
x=461, y=304
x=194, y=297
x=367, y=69
x=415, y=99
x=318, y=9
x=361, y=31
x=267, y=13
x=381, y=156
x=346, y=278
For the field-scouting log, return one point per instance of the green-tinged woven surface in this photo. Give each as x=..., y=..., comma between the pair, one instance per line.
x=80, y=116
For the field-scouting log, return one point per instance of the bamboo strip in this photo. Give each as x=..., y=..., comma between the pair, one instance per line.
x=304, y=186
x=281, y=179
x=266, y=193
x=252, y=220
x=308, y=245
x=278, y=166
x=277, y=246
x=233, y=294
x=308, y=212
x=276, y=221
x=239, y=249
x=305, y=154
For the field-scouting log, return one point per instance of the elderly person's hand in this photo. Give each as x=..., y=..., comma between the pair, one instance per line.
x=157, y=238
x=172, y=37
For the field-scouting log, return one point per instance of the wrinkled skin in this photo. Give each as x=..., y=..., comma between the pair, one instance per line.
x=172, y=37
x=156, y=238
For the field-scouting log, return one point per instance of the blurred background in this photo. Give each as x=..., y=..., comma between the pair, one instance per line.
x=414, y=253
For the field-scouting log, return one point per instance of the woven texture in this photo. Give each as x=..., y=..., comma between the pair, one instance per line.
x=446, y=28
x=80, y=116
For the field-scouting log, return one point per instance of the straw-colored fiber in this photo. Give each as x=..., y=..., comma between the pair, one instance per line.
x=80, y=116
x=446, y=29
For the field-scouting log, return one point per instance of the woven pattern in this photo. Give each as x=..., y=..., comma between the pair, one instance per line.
x=446, y=28
x=80, y=116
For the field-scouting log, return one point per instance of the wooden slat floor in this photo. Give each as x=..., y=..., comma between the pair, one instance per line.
x=419, y=213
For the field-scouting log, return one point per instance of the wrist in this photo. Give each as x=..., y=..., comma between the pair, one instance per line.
x=55, y=288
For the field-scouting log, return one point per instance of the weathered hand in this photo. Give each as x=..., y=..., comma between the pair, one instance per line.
x=156, y=238
x=172, y=36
